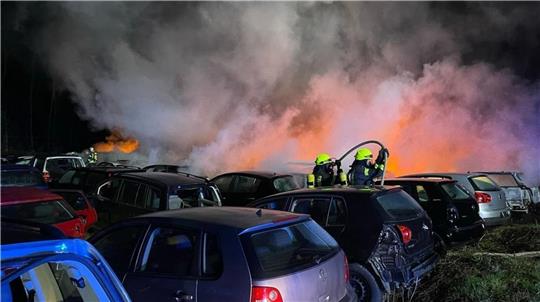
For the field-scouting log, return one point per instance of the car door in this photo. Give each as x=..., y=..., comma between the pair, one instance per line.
x=329, y=212
x=167, y=267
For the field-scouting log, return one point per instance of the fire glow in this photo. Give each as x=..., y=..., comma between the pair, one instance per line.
x=116, y=142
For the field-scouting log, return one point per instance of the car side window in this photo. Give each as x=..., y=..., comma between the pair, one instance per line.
x=422, y=194
x=245, y=184
x=317, y=208
x=129, y=192
x=152, y=200
x=109, y=189
x=141, y=196
x=119, y=245
x=223, y=183
x=274, y=204
x=170, y=251
x=337, y=214
x=212, y=264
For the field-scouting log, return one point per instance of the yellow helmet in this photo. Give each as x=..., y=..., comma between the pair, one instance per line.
x=363, y=153
x=322, y=159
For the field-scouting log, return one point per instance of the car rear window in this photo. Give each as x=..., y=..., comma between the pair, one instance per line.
x=286, y=183
x=21, y=179
x=455, y=192
x=399, y=205
x=48, y=212
x=75, y=200
x=483, y=183
x=288, y=249
x=504, y=180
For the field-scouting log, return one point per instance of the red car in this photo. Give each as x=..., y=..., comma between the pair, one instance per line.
x=31, y=204
x=82, y=206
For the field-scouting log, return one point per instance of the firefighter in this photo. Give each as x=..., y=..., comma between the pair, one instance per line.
x=363, y=170
x=323, y=173
x=92, y=156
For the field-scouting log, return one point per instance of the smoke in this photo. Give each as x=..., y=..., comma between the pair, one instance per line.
x=224, y=86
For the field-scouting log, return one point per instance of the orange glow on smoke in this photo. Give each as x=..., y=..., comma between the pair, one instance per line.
x=116, y=141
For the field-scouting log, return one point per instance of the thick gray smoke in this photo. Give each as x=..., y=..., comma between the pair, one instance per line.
x=223, y=86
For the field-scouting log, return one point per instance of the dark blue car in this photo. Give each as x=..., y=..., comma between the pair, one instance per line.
x=21, y=176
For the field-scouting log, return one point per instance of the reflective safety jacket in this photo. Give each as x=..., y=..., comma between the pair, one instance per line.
x=363, y=172
x=324, y=175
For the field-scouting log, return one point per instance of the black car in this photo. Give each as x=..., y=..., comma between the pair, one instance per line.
x=225, y=254
x=131, y=194
x=453, y=211
x=241, y=188
x=386, y=235
x=88, y=178
x=16, y=231
x=21, y=176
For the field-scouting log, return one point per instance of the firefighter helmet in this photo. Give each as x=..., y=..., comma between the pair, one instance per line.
x=322, y=159
x=363, y=153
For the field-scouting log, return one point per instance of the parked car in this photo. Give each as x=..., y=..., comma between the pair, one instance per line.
x=87, y=179
x=57, y=270
x=518, y=195
x=454, y=213
x=491, y=200
x=21, y=176
x=52, y=167
x=386, y=235
x=241, y=188
x=82, y=206
x=41, y=206
x=225, y=254
x=131, y=194
x=166, y=168
x=17, y=231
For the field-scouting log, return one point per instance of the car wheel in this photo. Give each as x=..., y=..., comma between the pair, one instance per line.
x=364, y=284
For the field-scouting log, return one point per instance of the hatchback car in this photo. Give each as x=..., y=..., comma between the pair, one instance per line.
x=387, y=236
x=131, y=194
x=52, y=167
x=225, y=254
x=43, y=207
x=454, y=213
x=58, y=270
x=518, y=195
x=241, y=188
x=491, y=200
x=88, y=178
x=21, y=176
x=82, y=206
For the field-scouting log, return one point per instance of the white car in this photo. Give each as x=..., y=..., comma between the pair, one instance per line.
x=52, y=167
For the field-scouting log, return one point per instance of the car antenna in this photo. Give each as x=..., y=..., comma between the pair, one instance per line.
x=259, y=212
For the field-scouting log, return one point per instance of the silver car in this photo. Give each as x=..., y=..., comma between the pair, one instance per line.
x=491, y=199
x=226, y=254
x=517, y=194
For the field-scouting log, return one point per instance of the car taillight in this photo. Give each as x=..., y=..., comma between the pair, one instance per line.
x=346, y=269
x=406, y=233
x=265, y=294
x=46, y=176
x=482, y=197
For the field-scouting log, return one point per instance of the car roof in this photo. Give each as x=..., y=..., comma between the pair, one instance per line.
x=240, y=219
x=107, y=169
x=441, y=174
x=499, y=172
x=425, y=180
x=169, y=179
x=15, y=167
x=338, y=189
x=262, y=174
x=17, y=195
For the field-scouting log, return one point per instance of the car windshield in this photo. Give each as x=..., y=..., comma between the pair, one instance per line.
x=48, y=212
x=455, y=192
x=484, y=183
x=287, y=249
x=286, y=183
x=399, y=205
x=21, y=179
x=504, y=180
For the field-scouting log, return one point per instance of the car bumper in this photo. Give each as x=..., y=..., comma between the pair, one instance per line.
x=350, y=295
x=405, y=276
x=465, y=234
x=492, y=218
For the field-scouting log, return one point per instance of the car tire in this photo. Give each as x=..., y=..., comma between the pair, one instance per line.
x=364, y=284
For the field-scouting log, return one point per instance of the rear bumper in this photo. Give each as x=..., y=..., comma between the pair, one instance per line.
x=465, y=234
x=350, y=296
x=406, y=275
x=492, y=218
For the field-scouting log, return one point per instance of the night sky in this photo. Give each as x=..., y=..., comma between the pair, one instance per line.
x=42, y=102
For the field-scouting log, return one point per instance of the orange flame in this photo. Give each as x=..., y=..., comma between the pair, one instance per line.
x=116, y=141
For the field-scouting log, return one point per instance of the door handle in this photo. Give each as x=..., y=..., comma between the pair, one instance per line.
x=181, y=296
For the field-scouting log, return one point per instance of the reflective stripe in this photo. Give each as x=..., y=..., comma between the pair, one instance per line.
x=366, y=171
